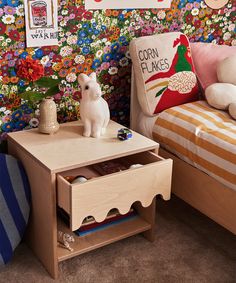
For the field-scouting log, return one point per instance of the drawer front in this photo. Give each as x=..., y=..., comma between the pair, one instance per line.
x=120, y=190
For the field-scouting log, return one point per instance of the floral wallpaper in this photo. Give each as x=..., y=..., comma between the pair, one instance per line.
x=93, y=41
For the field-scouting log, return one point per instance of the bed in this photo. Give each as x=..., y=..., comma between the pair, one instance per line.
x=204, y=172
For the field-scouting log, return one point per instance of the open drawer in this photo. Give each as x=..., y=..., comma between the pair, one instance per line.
x=120, y=190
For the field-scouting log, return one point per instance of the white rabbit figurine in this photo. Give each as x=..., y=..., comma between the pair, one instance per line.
x=94, y=111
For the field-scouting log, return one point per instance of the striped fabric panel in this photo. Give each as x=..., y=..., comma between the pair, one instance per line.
x=6, y=248
x=14, y=205
x=1, y=259
x=202, y=136
x=8, y=222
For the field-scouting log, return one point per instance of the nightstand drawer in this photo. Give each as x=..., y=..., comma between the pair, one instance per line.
x=120, y=190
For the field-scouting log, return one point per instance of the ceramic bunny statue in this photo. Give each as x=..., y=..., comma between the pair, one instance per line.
x=94, y=111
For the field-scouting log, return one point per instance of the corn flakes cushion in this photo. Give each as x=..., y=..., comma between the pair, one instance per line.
x=164, y=72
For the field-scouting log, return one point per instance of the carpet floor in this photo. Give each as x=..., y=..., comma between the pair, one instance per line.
x=189, y=247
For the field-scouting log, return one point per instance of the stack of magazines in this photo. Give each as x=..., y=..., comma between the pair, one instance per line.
x=89, y=224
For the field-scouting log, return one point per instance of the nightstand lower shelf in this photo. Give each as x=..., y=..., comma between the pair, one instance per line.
x=101, y=238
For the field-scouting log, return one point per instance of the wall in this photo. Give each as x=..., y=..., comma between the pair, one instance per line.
x=94, y=41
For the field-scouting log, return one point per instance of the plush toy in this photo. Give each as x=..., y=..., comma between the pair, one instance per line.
x=94, y=110
x=222, y=95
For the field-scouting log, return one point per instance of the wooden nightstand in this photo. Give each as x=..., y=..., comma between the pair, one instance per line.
x=47, y=159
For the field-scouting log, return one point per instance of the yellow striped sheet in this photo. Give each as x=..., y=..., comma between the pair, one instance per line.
x=183, y=127
x=211, y=119
x=207, y=145
x=224, y=174
x=198, y=123
x=223, y=116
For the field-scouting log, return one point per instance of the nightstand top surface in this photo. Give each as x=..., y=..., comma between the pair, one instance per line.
x=68, y=148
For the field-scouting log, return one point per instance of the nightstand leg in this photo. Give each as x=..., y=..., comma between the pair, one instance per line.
x=148, y=214
x=41, y=234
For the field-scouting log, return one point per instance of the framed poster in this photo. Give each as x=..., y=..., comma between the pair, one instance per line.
x=126, y=4
x=41, y=22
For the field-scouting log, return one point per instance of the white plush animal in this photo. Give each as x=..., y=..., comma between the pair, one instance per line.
x=94, y=111
x=222, y=95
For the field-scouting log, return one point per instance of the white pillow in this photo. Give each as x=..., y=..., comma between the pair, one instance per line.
x=226, y=70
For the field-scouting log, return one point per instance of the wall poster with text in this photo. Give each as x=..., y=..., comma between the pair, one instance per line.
x=41, y=22
x=126, y=4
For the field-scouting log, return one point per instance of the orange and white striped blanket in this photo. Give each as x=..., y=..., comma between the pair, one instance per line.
x=202, y=136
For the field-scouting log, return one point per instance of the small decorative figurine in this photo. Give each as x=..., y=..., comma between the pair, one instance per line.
x=94, y=110
x=79, y=179
x=135, y=166
x=124, y=134
x=65, y=239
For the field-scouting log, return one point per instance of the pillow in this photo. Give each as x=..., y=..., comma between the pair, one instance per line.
x=226, y=70
x=163, y=71
x=206, y=57
x=14, y=205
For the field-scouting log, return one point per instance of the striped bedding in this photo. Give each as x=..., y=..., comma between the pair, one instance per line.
x=202, y=136
x=14, y=205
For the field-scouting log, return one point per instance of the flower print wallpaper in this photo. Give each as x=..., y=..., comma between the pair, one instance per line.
x=126, y=4
x=96, y=40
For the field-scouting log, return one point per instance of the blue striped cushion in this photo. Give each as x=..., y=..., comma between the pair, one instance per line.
x=14, y=205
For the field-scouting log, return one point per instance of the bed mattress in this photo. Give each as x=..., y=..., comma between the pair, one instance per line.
x=202, y=136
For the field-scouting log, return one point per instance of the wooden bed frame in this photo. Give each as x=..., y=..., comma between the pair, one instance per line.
x=190, y=184
x=203, y=192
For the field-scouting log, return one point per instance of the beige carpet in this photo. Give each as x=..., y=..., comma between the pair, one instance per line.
x=189, y=247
